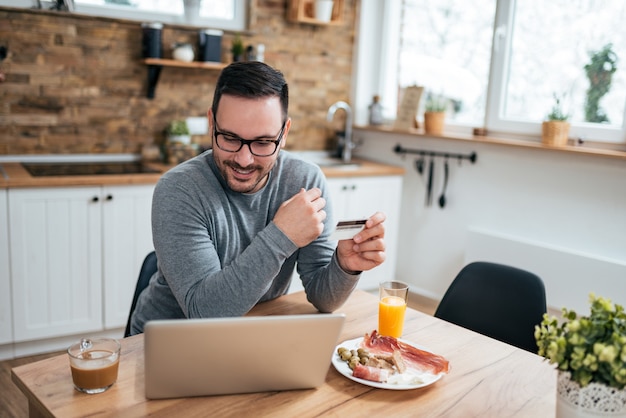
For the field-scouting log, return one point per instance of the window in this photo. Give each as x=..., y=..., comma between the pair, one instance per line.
x=502, y=62
x=445, y=46
x=215, y=14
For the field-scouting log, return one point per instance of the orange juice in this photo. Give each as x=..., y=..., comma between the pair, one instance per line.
x=391, y=316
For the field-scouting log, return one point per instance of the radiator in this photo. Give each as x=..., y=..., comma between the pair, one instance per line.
x=569, y=275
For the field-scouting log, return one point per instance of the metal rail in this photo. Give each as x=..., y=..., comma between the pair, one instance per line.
x=470, y=157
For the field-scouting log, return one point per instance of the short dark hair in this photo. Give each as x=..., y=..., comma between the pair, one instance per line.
x=251, y=79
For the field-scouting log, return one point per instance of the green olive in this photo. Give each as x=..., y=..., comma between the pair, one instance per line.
x=353, y=362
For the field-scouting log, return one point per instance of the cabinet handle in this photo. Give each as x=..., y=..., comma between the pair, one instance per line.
x=95, y=199
x=353, y=187
x=109, y=197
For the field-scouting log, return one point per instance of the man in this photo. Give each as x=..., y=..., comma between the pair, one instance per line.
x=229, y=225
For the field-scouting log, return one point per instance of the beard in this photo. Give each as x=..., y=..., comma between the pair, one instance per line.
x=244, y=179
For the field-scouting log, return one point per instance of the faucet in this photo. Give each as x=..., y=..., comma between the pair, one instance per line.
x=348, y=144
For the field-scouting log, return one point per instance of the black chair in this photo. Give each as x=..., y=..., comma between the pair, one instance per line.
x=496, y=300
x=148, y=268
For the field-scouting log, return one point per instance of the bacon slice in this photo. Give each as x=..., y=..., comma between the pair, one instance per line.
x=373, y=374
x=417, y=359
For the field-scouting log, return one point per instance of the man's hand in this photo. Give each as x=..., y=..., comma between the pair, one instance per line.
x=366, y=249
x=301, y=217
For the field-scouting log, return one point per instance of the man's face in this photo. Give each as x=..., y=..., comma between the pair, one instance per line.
x=250, y=119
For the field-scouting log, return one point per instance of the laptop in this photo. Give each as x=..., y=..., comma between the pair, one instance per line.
x=218, y=356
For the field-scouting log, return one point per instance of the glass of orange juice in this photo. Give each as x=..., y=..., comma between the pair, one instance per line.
x=391, y=308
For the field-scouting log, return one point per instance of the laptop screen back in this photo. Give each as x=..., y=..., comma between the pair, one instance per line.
x=197, y=357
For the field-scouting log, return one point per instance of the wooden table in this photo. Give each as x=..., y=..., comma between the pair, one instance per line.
x=487, y=379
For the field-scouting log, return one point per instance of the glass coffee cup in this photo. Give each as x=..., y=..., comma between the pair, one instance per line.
x=94, y=364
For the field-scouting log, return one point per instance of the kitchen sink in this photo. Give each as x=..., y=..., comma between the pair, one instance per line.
x=86, y=169
x=326, y=160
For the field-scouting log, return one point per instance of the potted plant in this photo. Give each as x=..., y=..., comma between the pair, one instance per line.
x=590, y=355
x=178, y=131
x=435, y=114
x=600, y=74
x=555, y=130
x=237, y=48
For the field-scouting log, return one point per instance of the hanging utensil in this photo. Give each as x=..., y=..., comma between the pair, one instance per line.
x=429, y=188
x=442, y=198
x=419, y=165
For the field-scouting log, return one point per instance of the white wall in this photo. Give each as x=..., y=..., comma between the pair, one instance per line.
x=576, y=203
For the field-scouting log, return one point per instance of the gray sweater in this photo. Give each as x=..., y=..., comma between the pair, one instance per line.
x=219, y=253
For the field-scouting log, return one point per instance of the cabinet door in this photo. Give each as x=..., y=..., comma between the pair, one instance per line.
x=127, y=240
x=361, y=197
x=6, y=333
x=56, y=261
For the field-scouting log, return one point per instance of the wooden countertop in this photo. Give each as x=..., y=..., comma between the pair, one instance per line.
x=365, y=168
x=14, y=175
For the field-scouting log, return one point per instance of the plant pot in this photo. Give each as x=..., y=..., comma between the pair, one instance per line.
x=180, y=139
x=433, y=122
x=594, y=400
x=192, y=11
x=323, y=10
x=554, y=132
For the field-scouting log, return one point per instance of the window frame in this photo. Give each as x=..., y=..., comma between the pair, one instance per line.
x=238, y=23
x=496, y=96
x=385, y=76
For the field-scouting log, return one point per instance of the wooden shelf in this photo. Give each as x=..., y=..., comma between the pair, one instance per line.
x=303, y=11
x=183, y=64
x=156, y=64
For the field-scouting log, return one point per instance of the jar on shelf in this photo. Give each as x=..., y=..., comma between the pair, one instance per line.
x=183, y=52
x=151, y=46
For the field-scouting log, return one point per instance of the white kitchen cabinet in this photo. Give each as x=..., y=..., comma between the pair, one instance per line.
x=74, y=257
x=354, y=197
x=56, y=261
x=127, y=240
x=6, y=318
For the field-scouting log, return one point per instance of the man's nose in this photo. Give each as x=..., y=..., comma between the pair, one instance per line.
x=244, y=156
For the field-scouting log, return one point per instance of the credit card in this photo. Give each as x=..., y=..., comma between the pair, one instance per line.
x=347, y=229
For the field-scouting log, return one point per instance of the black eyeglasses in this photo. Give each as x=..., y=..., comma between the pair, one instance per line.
x=260, y=147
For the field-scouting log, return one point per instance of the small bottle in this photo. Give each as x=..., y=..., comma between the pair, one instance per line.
x=376, y=111
x=260, y=52
x=250, y=55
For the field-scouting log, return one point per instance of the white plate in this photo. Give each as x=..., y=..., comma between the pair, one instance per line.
x=343, y=368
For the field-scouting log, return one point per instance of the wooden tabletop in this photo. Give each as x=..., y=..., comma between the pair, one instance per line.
x=487, y=379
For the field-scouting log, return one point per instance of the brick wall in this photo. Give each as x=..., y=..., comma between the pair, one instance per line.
x=76, y=84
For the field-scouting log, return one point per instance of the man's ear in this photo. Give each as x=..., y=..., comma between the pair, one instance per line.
x=209, y=116
x=285, y=133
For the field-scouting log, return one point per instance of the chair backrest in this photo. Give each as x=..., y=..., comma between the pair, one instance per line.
x=496, y=300
x=148, y=268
